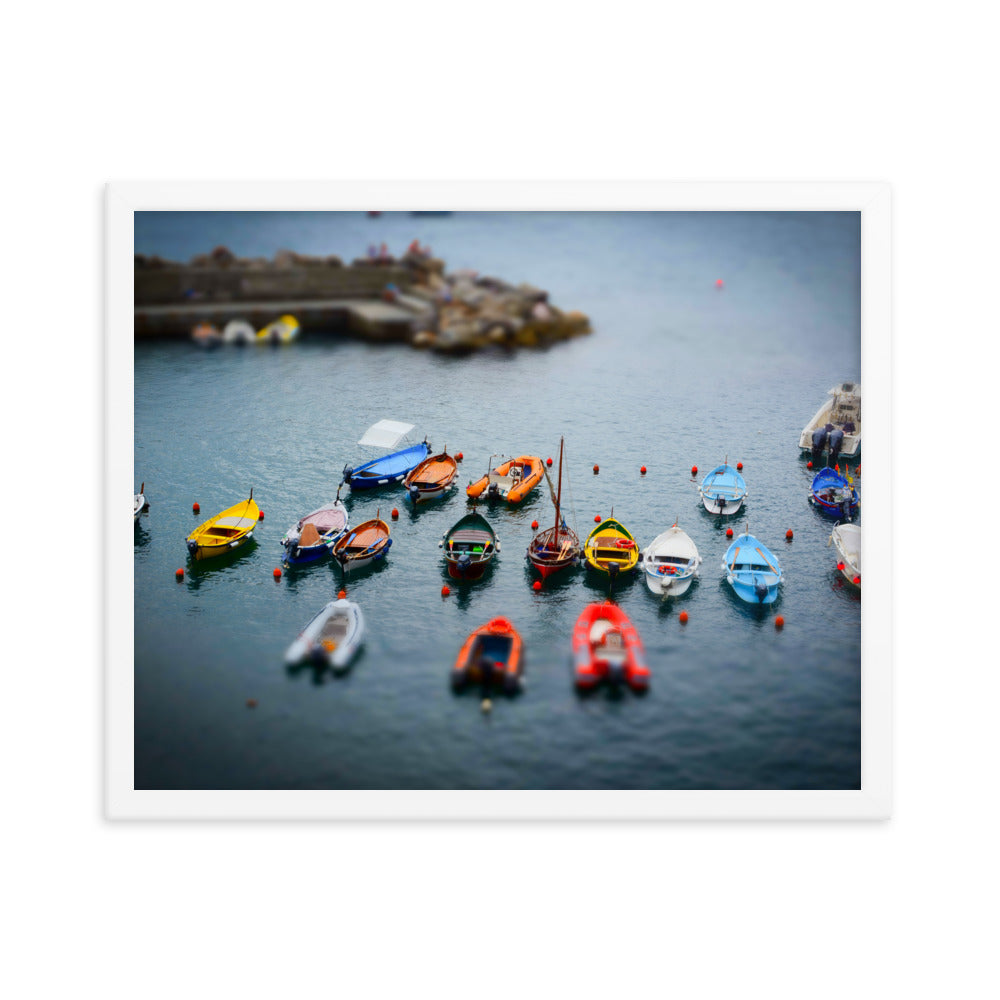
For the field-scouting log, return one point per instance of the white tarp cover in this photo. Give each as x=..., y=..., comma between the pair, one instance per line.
x=385, y=434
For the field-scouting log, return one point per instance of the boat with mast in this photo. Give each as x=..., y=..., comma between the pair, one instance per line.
x=558, y=547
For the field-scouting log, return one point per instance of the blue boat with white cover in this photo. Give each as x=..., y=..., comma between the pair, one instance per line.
x=834, y=495
x=391, y=468
x=752, y=570
x=723, y=490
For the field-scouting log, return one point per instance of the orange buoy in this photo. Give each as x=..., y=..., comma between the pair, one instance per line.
x=195, y=507
x=179, y=574
x=459, y=457
x=534, y=526
x=395, y=514
x=548, y=461
x=694, y=470
x=739, y=466
x=445, y=590
x=260, y=516
x=642, y=471
x=597, y=469
x=718, y=282
x=251, y=702
x=779, y=622
x=537, y=585
x=729, y=532
x=341, y=594
x=277, y=573
x=683, y=617
x=789, y=535
x=597, y=519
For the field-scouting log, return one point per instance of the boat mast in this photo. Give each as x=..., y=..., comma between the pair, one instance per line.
x=555, y=537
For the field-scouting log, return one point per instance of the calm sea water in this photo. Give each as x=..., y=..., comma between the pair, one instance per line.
x=676, y=373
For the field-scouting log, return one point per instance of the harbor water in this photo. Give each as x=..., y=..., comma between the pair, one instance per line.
x=679, y=371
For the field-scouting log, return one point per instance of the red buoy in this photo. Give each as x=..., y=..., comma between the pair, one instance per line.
x=739, y=466
x=534, y=526
x=395, y=514
x=459, y=457
x=195, y=507
x=548, y=461
x=251, y=702
x=597, y=519
x=642, y=471
x=809, y=465
x=260, y=516
x=341, y=594
x=841, y=567
x=694, y=470
x=788, y=535
x=445, y=590
x=597, y=469
x=718, y=282
x=729, y=532
x=683, y=617
x=857, y=580
x=179, y=574
x=779, y=622
x=277, y=573
x=537, y=585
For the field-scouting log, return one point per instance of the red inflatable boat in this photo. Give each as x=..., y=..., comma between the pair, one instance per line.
x=607, y=647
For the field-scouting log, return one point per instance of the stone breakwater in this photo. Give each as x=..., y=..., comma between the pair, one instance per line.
x=430, y=308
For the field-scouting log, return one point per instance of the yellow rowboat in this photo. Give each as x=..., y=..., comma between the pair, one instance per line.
x=611, y=548
x=224, y=532
x=283, y=330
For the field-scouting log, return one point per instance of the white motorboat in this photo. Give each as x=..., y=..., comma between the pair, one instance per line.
x=670, y=562
x=238, y=331
x=847, y=540
x=333, y=637
x=836, y=427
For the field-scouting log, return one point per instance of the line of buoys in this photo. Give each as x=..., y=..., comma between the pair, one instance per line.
x=597, y=469
x=789, y=535
x=694, y=470
x=729, y=532
x=642, y=471
x=537, y=585
x=180, y=573
x=779, y=622
x=277, y=573
x=683, y=617
x=195, y=507
x=445, y=590
x=260, y=516
x=534, y=526
x=395, y=514
x=548, y=461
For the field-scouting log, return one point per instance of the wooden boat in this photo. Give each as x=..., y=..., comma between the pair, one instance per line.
x=469, y=547
x=752, y=570
x=283, y=330
x=206, y=335
x=847, y=539
x=238, y=331
x=311, y=537
x=833, y=494
x=611, y=548
x=670, y=562
x=606, y=647
x=511, y=480
x=490, y=656
x=391, y=468
x=430, y=478
x=836, y=427
x=332, y=637
x=369, y=542
x=723, y=490
x=225, y=532
x=139, y=503
x=558, y=547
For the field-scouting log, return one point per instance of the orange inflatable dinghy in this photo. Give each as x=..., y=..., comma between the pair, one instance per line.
x=491, y=655
x=512, y=481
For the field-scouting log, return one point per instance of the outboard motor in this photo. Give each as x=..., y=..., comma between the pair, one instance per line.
x=845, y=510
x=760, y=589
x=616, y=673
x=492, y=490
x=348, y=472
x=316, y=655
x=836, y=443
x=819, y=443
x=464, y=562
x=413, y=492
x=721, y=503
x=192, y=546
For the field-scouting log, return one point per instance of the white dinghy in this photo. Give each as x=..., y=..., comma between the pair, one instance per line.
x=847, y=539
x=670, y=562
x=138, y=503
x=333, y=637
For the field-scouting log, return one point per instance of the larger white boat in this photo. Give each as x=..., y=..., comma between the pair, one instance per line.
x=847, y=539
x=670, y=562
x=836, y=427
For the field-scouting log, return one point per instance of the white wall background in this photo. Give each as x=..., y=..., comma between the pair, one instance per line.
x=766, y=91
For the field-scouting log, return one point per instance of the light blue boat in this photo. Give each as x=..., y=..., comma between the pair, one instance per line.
x=752, y=570
x=723, y=490
x=392, y=468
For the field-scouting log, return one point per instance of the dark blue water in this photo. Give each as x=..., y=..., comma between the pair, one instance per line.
x=675, y=373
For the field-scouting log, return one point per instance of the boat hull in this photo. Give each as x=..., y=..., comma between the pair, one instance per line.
x=387, y=470
x=670, y=563
x=469, y=545
x=668, y=586
x=430, y=479
x=552, y=551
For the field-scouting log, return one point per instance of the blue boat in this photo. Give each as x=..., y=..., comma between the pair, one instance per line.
x=723, y=490
x=834, y=495
x=752, y=570
x=391, y=468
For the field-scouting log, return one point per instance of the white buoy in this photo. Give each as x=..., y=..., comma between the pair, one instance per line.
x=486, y=706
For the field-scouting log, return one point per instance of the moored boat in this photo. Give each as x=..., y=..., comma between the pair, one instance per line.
x=723, y=490
x=206, y=335
x=391, y=468
x=836, y=426
x=511, y=480
x=138, y=503
x=332, y=637
x=490, y=656
x=752, y=570
x=670, y=562
x=224, y=532
x=469, y=547
x=833, y=494
x=611, y=548
x=283, y=330
x=607, y=647
x=431, y=478
x=238, y=331
x=558, y=547
x=312, y=536
x=358, y=547
x=847, y=539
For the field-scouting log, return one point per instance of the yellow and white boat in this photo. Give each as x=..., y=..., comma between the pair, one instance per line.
x=611, y=548
x=224, y=532
x=283, y=330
